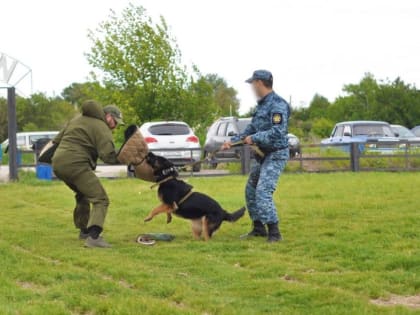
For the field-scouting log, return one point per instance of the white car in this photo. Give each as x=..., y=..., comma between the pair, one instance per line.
x=25, y=140
x=173, y=140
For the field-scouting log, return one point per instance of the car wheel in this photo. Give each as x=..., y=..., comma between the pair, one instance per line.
x=197, y=167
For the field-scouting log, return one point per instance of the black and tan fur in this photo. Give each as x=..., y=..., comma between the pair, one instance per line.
x=177, y=198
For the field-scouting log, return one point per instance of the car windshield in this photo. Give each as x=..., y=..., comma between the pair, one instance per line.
x=372, y=130
x=169, y=130
x=403, y=132
x=242, y=124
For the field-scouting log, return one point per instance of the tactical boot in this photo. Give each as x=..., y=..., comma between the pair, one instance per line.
x=257, y=230
x=96, y=242
x=273, y=232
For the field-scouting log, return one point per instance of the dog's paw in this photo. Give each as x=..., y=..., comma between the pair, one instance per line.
x=148, y=219
x=168, y=218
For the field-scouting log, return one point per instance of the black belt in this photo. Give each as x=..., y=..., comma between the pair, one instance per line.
x=271, y=150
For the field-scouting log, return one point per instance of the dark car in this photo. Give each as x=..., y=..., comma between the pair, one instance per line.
x=294, y=145
x=223, y=129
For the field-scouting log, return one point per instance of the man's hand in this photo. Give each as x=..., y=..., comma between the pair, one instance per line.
x=248, y=140
x=226, y=146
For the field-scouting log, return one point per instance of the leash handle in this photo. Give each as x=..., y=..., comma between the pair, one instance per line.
x=234, y=144
x=253, y=146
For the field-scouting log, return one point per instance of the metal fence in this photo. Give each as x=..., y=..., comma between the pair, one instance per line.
x=334, y=157
x=369, y=156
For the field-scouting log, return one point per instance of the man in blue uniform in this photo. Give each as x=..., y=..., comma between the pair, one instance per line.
x=268, y=130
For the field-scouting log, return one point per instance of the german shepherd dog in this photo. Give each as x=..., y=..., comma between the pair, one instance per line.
x=177, y=198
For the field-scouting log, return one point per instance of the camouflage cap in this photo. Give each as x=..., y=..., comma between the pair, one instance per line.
x=115, y=112
x=264, y=75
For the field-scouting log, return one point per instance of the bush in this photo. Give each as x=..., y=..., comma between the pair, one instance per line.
x=322, y=127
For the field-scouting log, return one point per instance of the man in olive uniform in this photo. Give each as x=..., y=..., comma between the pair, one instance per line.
x=268, y=130
x=85, y=139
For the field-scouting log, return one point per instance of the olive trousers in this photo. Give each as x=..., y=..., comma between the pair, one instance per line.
x=88, y=191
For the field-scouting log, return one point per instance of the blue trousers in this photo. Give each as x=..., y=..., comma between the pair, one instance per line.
x=260, y=187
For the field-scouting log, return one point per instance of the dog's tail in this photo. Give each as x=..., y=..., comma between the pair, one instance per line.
x=234, y=216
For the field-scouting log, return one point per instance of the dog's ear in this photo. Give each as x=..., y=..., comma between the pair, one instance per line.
x=129, y=131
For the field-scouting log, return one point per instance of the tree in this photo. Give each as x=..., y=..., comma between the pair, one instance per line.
x=318, y=107
x=322, y=127
x=142, y=72
x=77, y=93
x=225, y=97
x=394, y=102
x=140, y=62
x=38, y=112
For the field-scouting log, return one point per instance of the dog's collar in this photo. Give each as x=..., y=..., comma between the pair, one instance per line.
x=167, y=179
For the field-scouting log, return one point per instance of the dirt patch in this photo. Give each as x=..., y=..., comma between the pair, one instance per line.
x=288, y=278
x=394, y=300
x=31, y=286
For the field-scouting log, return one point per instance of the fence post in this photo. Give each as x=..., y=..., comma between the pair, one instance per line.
x=245, y=159
x=354, y=157
x=300, y=160
x=130, y=171
x=12, y=127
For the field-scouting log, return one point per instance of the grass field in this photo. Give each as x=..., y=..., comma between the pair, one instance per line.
x=349, y=239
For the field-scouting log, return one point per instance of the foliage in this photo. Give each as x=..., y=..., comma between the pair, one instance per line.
x=225, y=96
x=142, y=72
x=318, y=107
x=38, y=112
x=395, y=102
x=322, y=127
x=78, y=93
x=342, y=248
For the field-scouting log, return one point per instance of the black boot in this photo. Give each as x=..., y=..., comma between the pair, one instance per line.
x=84, y=234
x=94, y=231
x=273, y=232
x=258, y=229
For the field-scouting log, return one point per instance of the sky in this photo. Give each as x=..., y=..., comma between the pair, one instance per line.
x=310, y=46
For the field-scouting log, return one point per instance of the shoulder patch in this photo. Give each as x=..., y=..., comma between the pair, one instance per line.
x=277, y=118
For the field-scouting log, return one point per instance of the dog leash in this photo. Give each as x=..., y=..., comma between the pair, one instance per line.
x=212, y=154
x=167, y=179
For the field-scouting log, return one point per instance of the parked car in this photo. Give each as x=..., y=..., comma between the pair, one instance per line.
x=406, y=134
x=361, y=132
x=26, y=140
x=221, y=131
x=225, y=128
x=416, y=131
x=294, y=145
x=173, y=140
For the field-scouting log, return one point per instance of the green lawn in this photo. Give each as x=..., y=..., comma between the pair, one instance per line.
x=349, y=238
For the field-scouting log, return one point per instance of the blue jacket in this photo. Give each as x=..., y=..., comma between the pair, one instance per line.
x=269, y=125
